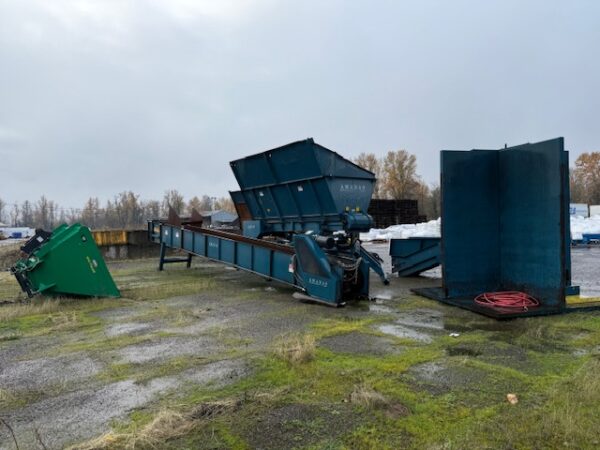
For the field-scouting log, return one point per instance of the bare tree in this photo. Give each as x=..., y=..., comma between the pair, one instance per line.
x=15, y=215
x=2, y=206
x=206, y=204
x=435, y=199
x=224, y=203
x=27, y=214
x=90, y=215
x=41, y=213
x=127, y=210
x=371, y=163
x=173, y=199
x=194, y=203
x=151, y=209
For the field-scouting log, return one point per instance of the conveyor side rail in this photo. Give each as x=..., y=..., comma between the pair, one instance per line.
x=261, y=257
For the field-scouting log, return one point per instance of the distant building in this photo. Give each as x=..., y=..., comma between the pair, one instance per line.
x=16, y=232
x=219, y=218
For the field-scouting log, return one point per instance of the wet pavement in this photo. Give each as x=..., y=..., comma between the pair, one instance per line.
x=585, y=267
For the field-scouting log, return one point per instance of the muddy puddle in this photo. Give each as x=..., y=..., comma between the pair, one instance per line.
x=360, y=343
x=420, y=325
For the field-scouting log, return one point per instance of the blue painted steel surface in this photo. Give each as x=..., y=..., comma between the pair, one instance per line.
x=250, y=257
x=303, y=187
x=412, y=256
x=505, y=223
x=331, y=277
x=252, y=228
x=587, y=238
x=319, y=277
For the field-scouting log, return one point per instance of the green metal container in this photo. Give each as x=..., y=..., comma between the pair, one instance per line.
x=68, y=263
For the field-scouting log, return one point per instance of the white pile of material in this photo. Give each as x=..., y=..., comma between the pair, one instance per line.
x=579, y=226
x=425, y=229
x=587, y=225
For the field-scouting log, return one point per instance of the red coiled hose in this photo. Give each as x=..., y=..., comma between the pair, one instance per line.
x=507, y=300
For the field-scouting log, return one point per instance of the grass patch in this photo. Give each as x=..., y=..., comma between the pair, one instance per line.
x=167, y=424
x=364, y=395
x=296, y=349
x=144, y=282
x=148, y=371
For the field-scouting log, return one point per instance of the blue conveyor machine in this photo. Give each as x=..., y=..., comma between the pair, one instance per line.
x=301, y=208
x=415, y=255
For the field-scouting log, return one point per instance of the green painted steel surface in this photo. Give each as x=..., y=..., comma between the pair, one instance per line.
x=69, y=263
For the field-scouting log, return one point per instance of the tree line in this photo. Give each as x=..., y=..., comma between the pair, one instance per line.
x=396, y=174
x=397, y=179
x=124, y=211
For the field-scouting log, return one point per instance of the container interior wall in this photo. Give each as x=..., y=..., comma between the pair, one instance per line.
x=470, y=228
x=505, y=221
x=531, y=218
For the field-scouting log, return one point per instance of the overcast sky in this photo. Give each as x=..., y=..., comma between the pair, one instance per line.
x=97, y=97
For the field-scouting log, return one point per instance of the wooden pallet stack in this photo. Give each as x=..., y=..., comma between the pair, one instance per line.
x=386, y=213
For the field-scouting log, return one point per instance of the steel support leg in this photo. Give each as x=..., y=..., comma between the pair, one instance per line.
x=163, y=251
x=164, y=260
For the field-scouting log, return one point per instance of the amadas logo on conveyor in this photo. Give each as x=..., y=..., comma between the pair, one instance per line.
x=317, y=282
x=351, y=187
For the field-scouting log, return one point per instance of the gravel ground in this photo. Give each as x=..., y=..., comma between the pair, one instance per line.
x=66, y=382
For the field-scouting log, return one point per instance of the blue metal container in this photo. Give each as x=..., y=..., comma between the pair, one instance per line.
x=506, y=226
x=301, y=187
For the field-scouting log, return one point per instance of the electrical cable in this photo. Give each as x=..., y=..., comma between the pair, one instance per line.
x=507, y=300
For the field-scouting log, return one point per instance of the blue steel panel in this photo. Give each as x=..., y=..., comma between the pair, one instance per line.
x=505, y=222
x=306, y=198
x=299, y=182
x=281, y=263
x=567, y=221
x=531, y=239
x=166, y=235
x=295, y=161
x=412, y=256
x=227, y=251
x=261, y=261
x=176, y=237
x=285, y=202
x=253, y=171
x=200, y=244
x=244, y=255
x=213, y=247
x=253, y=204
x=470, y=235
x=351, y=193
x=268, y=206
x=252, y=228
x=188, y=240
x=333, y=164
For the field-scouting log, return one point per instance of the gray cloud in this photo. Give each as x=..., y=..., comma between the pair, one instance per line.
x=99, y=97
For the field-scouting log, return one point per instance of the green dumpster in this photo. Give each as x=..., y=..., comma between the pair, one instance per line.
x=66, y=262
